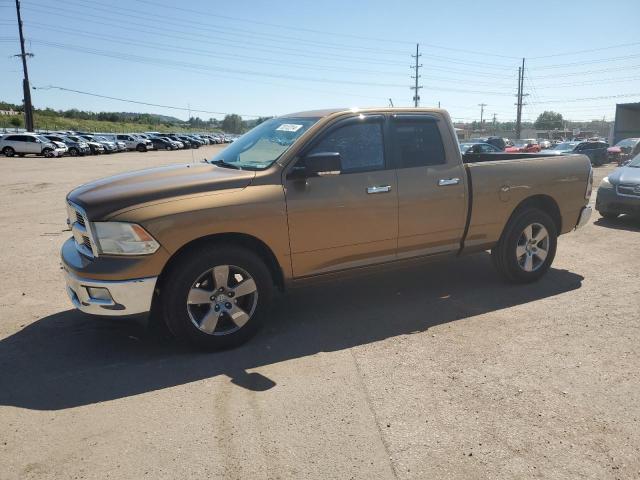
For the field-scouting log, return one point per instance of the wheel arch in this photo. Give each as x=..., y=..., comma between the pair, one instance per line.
x=244, y=240
x=544, y=203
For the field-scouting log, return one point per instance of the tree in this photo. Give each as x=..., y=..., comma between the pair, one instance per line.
x=548, y=120
x=15, y=121
x=232, y=123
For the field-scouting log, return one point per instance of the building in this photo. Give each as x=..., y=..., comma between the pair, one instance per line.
x=627, y=122
x=9, y=112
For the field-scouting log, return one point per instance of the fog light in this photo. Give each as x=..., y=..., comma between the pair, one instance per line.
x=99, y=293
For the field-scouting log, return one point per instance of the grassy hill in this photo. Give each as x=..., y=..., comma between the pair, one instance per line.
x=56, y=122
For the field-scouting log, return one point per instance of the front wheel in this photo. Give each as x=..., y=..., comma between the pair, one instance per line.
x=216, y=296
x=527, y=247
x=48, y=153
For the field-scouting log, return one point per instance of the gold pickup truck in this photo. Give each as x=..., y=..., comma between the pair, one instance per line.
x=205, y=246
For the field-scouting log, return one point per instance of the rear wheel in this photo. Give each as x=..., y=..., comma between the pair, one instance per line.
x=218, y=296
x=527, y=247
x=8, y=152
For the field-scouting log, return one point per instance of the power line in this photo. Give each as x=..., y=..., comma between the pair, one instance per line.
x=590, y=50
x=171, y=107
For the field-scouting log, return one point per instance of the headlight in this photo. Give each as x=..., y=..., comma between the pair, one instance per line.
x=120, y=238
x=605, y=182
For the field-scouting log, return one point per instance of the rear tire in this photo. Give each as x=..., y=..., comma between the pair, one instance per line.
x=218, y=296
x=8, y=152
x=527, y=247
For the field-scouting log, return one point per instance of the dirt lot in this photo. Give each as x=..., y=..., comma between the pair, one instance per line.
x=428, y=373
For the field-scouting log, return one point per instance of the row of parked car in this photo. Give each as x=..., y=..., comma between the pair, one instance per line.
x=57, y=144
x=598, y=151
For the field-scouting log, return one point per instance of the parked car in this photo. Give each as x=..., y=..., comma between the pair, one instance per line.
x=74, y=148
x=148, y=143
x=563, y=148
x=162, y=144
x=131, y=142
x=188, y=143
x=471, y=148
x=109, y=146
x=544, y=144
x=209, y=243
x=529, y=145
x=596, y=151
x=622, y=150
x=26, y=144
x=619, y=192
x=96, y=148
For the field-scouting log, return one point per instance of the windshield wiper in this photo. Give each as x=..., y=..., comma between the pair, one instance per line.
x=222, y=163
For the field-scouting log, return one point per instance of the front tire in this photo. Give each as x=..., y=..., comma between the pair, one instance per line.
x=217, y=296
x=527, y=247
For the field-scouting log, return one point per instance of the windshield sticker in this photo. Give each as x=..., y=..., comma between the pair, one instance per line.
x=289, y=127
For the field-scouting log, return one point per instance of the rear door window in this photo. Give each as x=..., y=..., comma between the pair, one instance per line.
x=417, y=142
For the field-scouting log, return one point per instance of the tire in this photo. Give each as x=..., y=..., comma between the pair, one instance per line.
x=187, y=306
x=8, y=152
x=141, y=148
x=609, y=215
x=168, y=148
x=47, y=153
x=73, y=152
x=527, y=246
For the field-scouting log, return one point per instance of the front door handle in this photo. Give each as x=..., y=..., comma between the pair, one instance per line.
x=445, y=182
x=379, y=189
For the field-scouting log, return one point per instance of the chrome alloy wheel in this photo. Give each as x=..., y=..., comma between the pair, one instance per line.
x=533, y=247
x=222, y=300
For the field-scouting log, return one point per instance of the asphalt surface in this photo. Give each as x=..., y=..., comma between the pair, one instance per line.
x=438, y=371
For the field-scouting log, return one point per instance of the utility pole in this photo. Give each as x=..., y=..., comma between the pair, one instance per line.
x=28, y=108
x=417, y=66
x=520, y=103
x=495, y=131
x=482, y=105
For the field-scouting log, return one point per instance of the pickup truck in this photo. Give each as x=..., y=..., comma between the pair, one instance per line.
x=304, y=196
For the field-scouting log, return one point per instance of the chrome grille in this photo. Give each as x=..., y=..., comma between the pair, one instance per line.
x=81, y=230
x=631, y=190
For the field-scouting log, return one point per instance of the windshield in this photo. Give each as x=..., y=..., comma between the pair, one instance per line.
x=260, y=147
x=101, y=139
x=635, y=162
x=565, y=146
x=627, y=142
x=43, y=139
x=465, y=146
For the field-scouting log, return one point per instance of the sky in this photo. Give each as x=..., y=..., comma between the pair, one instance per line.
x=259, y=58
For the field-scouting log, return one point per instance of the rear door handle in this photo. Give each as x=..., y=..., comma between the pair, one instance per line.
x=444, y=182
x=379, y=189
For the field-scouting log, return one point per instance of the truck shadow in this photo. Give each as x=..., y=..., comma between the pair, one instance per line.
x=623, y=222
x=67, y=360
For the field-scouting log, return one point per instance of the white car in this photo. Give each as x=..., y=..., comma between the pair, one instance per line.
x=22, y=144
x=61, y=148
x=130, y=141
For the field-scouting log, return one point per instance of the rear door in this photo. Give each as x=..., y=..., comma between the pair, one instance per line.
x=349, y=219
x=431, y=185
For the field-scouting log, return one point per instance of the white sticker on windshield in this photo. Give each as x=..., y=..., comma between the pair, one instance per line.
x=289, y=127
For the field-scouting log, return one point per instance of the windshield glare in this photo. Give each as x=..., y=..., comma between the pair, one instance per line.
x=263, y=145
x=635, y=162
x=566, y=146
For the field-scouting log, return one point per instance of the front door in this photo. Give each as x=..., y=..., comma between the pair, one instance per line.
x=349, y=219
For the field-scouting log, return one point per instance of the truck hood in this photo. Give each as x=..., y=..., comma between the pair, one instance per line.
x=625, y=175
x=108, y=195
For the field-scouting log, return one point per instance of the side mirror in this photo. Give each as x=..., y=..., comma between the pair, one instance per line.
x=318, y=165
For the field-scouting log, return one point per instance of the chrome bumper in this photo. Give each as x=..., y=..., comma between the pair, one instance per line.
x=113, y=298
x=584, y=217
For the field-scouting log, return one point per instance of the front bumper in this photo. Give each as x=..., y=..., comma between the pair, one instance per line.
x=113, y=298
x=610, y=201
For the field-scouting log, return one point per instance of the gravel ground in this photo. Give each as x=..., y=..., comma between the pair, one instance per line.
x=437, y=371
